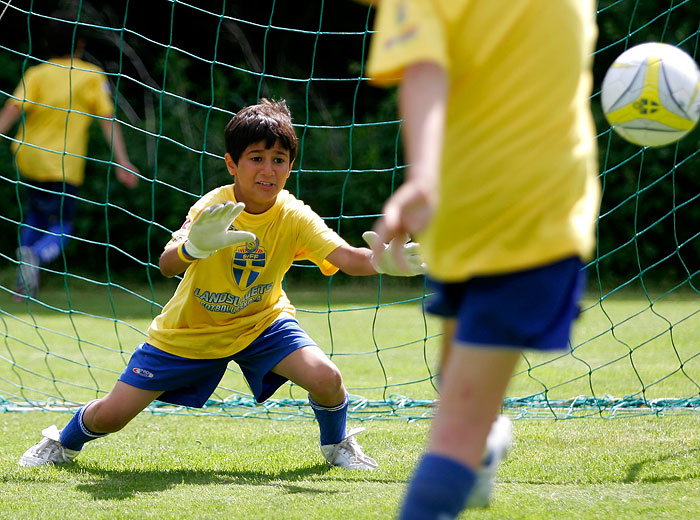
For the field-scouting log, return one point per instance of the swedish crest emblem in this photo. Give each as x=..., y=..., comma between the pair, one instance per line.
x=248, y=262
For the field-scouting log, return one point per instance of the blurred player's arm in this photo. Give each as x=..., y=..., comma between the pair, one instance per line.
x=423, y=108
x=113, y=136
x=9, y=115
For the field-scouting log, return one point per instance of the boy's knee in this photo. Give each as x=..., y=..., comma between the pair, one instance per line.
x=327, y=382
x=101, y=418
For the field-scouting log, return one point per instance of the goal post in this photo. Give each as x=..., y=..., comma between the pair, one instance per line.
x=179, y=70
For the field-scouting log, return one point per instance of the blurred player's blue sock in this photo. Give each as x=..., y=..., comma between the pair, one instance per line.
x=75, y=434
x=438, y=490
x=331, y=420
x=50, y=245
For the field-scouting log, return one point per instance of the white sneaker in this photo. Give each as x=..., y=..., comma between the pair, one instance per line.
x=48, y=451
x=497, y=445
x=27, y=280
x=348, y=453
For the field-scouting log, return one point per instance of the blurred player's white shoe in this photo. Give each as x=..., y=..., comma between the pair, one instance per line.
x=27, y=281
x=48, y=450
x=497, y=445
x=348, y=453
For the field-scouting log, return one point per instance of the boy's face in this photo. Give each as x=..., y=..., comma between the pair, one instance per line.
x=260, y=175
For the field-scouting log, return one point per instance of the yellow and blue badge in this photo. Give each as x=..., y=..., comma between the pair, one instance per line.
x=248, y=262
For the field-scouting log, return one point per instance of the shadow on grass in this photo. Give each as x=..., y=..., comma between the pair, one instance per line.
x=103, y=484
x=634, y=469
x=124, y=484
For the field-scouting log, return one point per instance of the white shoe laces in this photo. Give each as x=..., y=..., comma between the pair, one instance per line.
x=49, y=450
x=351, y=449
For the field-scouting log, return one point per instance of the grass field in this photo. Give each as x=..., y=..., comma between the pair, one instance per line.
x=214, y=467
x=73, y=345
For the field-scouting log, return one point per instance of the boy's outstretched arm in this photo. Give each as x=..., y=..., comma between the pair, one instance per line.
x=381, y=259
x=351, y=260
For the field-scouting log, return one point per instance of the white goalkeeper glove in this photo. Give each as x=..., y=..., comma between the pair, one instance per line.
x=210, y=232
x=397, y=258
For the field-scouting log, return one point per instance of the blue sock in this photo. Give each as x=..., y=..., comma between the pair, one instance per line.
x=75, y=434
x=331, y=420
x=49, y=246
x=439, y=489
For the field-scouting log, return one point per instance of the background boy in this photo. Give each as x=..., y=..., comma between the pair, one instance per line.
x=57, y=101
x=230, y=304
x=502, y=187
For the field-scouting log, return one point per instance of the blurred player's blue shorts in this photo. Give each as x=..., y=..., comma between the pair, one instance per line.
x=531, y=309
x=190, y=382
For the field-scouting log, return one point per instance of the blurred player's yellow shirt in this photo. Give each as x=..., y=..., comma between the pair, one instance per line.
x=58, y=99
x=519, y=184
x=225, y=301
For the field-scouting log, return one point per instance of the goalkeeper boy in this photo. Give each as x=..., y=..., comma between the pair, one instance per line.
x=235, y=246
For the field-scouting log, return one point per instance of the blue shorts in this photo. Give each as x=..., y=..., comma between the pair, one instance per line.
x=51, y=207
x=525, y=309
x=190, y=382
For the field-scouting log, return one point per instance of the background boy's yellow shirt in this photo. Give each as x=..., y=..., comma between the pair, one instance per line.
x=225, y=301
x=519, y=168
x=58, y=102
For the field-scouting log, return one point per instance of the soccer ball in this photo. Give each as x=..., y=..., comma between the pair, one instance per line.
x=651, y=94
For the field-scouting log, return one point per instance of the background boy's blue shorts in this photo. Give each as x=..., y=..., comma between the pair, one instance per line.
x=527, y=309
x=190, y=382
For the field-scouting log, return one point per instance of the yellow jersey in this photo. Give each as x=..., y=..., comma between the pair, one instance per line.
x=518, y=185
x=225, y=301
x=58, y=99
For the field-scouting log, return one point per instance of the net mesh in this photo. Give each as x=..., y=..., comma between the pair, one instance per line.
x=179, y=70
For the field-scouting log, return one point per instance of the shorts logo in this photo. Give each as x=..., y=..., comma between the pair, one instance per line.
x=248, y=263
x=142, y=372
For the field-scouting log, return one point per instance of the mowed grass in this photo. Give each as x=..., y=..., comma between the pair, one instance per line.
x=215, y=467
x=72, y=346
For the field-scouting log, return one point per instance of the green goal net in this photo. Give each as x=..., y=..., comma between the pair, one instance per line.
x=179, y=70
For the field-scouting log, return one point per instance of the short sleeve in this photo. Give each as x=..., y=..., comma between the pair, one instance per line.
x=101, y=96
x=406, y=32
x=317, y=241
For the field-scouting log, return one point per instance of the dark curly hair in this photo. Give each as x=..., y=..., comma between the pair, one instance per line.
x=268, y=121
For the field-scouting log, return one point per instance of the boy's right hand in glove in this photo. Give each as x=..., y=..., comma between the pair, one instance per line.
x=210, y=231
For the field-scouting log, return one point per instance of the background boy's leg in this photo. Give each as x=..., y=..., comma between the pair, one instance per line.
x=27, y=279
x=30, y=231
x=48, y=246
x=473, y=385
x=472, y=388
